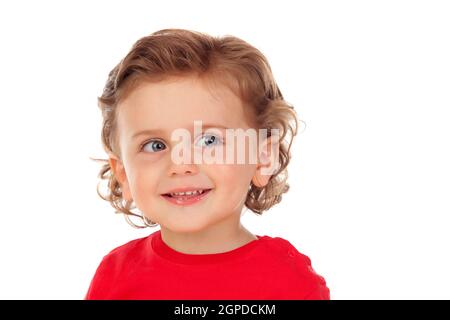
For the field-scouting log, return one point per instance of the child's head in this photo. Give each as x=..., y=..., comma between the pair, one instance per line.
x=167, y=81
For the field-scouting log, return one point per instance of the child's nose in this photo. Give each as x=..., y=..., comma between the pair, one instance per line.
x=182, y=169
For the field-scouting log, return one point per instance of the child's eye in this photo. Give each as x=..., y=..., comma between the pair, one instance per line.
x=210, y=139
x=155, y=145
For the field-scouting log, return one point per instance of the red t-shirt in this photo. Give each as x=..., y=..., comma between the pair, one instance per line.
x=264, y=269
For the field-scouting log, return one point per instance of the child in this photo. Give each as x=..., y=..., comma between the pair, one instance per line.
x=170, y=82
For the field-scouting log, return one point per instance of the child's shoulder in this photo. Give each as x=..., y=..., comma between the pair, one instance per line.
x=127, y=251
x=297, y=265
x=285, y=248
x=291, y=256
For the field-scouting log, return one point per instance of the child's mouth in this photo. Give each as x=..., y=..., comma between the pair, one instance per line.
x=186, y=199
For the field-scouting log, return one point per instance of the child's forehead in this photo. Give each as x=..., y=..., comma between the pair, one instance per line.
x=178, y=103
x=187, y=90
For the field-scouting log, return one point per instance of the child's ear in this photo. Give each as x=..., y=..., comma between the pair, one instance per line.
x=267, y=161
x=118, y=170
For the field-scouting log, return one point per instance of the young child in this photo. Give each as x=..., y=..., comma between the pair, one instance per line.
x=170, y=82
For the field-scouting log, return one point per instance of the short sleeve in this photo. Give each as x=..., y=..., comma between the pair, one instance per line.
x=313, y=283
x=320, y=290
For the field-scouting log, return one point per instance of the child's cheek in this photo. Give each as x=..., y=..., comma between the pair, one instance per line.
x=144, y=177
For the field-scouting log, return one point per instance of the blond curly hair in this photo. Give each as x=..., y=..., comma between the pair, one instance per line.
x=228, y=59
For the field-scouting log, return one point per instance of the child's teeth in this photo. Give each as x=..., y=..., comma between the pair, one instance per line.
x=188, y=193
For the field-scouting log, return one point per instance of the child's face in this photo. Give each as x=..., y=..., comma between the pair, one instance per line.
x=148, y=173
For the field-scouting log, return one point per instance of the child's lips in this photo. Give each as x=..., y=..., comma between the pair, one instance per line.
x=184, y=200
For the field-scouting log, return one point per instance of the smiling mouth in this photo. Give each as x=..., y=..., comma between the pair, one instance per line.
x=186, y=198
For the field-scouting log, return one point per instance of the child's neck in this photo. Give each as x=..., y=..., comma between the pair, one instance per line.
x=215, y=239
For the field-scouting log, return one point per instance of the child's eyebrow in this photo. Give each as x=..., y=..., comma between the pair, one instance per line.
x=160, y=131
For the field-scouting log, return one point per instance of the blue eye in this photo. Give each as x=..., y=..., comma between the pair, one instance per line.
x=156, y=145
x=211, y=139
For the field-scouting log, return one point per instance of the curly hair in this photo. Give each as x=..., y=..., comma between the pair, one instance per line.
x=228, y=59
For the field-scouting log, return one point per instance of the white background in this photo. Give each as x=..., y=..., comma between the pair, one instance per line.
x=370, y=176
